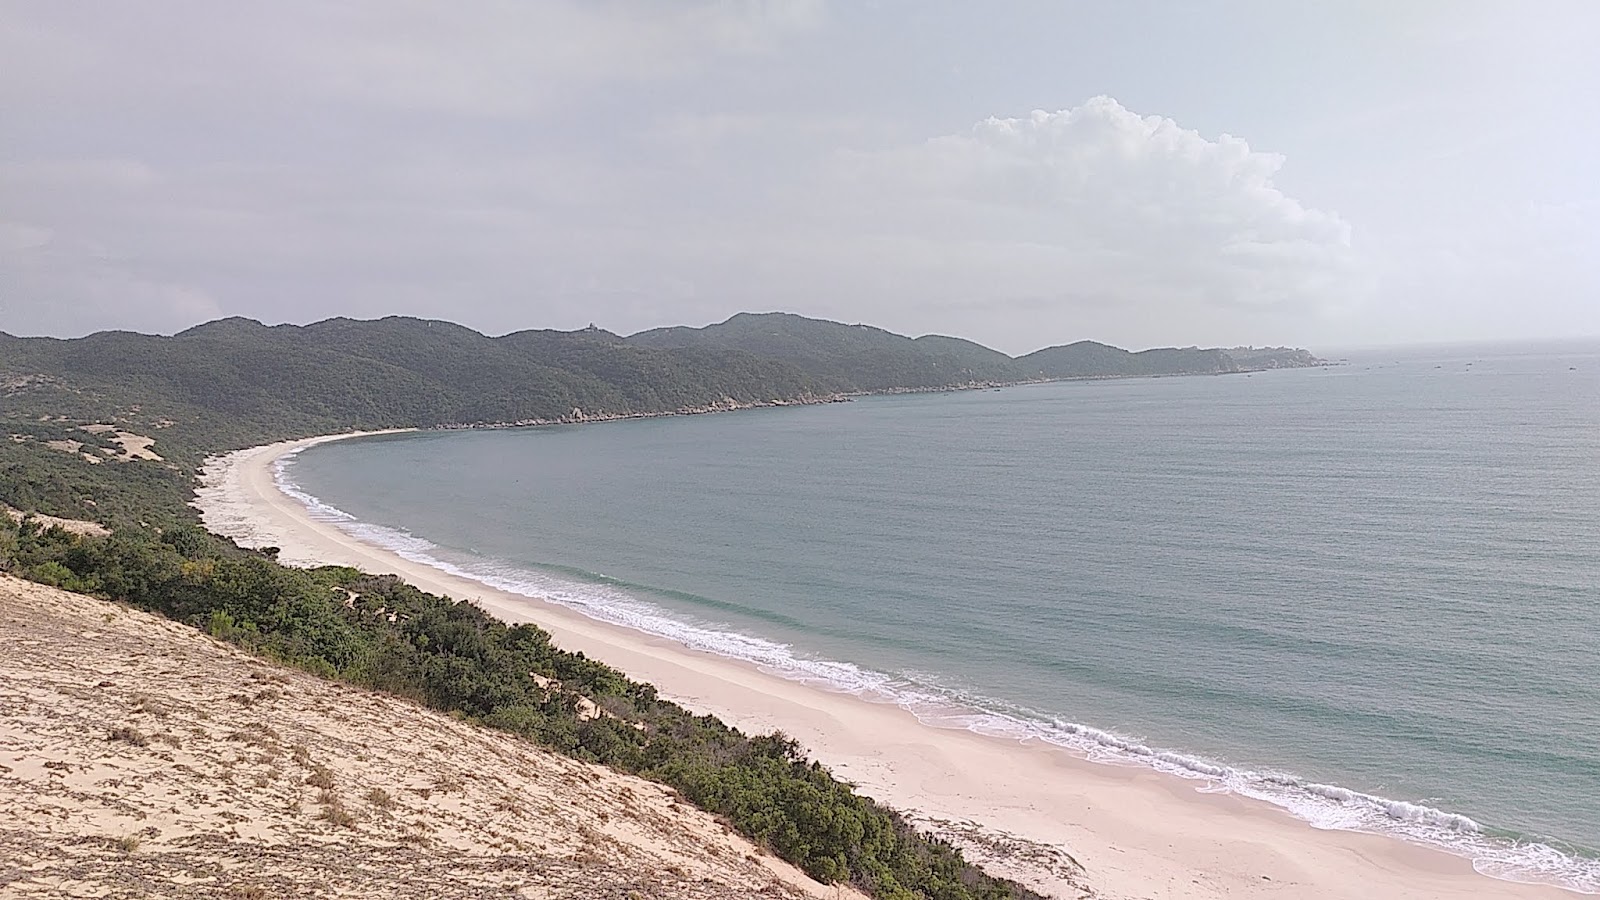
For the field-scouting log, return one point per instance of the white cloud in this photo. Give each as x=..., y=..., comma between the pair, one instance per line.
x=1101, y=204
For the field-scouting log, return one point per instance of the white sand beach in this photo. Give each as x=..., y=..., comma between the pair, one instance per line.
x=1065, y=825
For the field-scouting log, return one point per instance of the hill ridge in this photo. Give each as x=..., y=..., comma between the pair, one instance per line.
x=236, y=382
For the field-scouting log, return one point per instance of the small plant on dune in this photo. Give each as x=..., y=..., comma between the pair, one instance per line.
x=256, y=736
x=334, y=811
x=128, y=843
x=128, y=735
x=379, y=798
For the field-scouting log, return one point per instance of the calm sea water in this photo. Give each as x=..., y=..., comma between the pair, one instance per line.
x=1369, y=593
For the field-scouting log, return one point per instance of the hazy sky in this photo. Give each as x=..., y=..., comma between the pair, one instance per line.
x=1019, y=173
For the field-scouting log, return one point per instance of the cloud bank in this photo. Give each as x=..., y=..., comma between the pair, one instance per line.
x=1099, y=205
x=552, y=164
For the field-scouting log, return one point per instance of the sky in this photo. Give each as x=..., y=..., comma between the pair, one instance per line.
x=1022, y=174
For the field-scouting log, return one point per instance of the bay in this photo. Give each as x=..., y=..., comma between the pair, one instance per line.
x=1369, y=593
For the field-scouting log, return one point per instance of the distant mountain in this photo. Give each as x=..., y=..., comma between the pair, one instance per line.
x=845, y=357
x=863, y=358
x=1088, y=359
x=971, y=354
x=1257, y=358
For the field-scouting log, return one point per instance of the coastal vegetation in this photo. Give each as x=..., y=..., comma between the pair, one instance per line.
x=113, y=428
x=383, y=634
x=864, y=358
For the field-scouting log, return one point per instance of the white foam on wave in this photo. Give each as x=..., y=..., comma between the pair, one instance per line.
x=1321, y=805
x=322, y=512
x=601, y=602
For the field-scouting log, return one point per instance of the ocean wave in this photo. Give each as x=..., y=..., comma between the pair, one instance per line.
x=1321, y=805
x=319, y=511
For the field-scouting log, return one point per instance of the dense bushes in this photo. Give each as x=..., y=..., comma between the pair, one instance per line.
x=35, y=478
x=384, y=634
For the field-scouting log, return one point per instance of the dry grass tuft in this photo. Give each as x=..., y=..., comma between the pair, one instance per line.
x=379, y=798
x=262, y=736
x=128, y=735
x=320, y=777
x=334, y=811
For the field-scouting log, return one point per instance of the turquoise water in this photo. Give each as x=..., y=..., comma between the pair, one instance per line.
x=1369, y=593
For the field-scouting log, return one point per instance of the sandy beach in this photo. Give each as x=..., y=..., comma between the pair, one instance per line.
x=1042, y=815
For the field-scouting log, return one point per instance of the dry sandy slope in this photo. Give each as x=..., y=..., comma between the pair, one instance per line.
x=139, y=757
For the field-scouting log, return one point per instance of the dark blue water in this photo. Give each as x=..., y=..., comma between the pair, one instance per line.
x=1368, y=593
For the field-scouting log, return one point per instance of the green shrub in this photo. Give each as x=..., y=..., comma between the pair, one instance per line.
x=54, y=574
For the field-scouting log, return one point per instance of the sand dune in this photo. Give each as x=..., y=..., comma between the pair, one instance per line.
x=139, y=758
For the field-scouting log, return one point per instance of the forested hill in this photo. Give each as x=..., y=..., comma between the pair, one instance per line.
x=245, y=379
x=864, y=358
x=846, y=357
x=236, y=382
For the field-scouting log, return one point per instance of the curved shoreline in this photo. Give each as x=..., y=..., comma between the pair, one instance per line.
x=1136, y=831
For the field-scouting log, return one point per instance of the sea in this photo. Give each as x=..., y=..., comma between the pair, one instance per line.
x=1367, y=593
